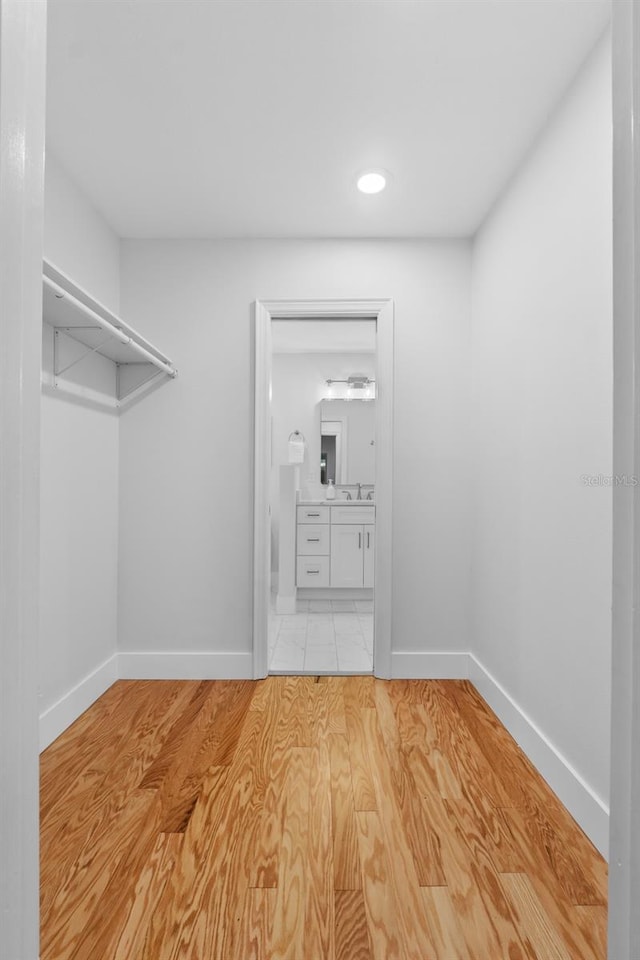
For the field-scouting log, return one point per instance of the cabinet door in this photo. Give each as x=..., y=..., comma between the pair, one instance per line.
x=347, y=547
x=369, y=544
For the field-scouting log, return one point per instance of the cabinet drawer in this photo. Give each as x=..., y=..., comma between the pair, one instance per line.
x=312, y=572
x=312, y=539
x=318, y=514
x=346, y=514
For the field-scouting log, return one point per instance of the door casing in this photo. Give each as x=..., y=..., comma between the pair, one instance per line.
x=265, y=311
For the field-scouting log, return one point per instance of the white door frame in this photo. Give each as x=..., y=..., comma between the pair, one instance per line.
x=624, y=846
x=23, y=34
x=265, y=312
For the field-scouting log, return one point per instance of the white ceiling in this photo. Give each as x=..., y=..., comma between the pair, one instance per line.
x=251, y=118
x=323, y=336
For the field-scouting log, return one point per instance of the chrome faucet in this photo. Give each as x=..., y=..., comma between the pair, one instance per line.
x=347, y=495
x=359, y=494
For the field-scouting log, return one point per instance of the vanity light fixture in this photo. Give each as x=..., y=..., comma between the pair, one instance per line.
x=357, y=387
x=372, y=181
x=358, y=381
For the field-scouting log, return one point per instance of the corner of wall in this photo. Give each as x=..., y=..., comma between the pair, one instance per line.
x=584, y=805
x=60, y=715
x=80, y=487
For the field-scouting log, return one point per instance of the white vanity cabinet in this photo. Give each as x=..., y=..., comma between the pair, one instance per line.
x=335, y=545
x=352, y=546
x=313, y=546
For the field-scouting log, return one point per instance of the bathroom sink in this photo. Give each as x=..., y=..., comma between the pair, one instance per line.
x=341, y=500
x=352, y=503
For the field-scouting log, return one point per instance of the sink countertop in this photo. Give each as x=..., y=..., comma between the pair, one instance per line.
x=341, y=501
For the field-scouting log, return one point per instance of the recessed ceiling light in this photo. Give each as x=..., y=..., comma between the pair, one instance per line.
x=372, y=181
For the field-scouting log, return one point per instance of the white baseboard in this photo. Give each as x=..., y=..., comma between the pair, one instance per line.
x=335, y=593
x=411, y=665
x=285, y=605
x=185, y=666
x=60, y=715
x=589, y=810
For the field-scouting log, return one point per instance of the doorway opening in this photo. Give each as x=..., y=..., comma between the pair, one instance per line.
x=322, y=496
x=322, y=505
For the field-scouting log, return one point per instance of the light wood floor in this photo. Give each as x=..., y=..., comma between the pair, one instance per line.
x=332, y=818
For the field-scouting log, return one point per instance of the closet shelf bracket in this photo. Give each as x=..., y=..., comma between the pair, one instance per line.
x=58, y=371
x=129, y=392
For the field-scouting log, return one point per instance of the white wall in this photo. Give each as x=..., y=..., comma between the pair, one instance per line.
x=298, y=386
x=77, y=239
x=186, y=504
x=79, y=480
x=542, y=406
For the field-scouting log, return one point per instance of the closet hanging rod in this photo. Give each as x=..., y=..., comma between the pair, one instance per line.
x=110, y=328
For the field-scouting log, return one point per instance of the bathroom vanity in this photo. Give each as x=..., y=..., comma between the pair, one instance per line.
x=335, y=544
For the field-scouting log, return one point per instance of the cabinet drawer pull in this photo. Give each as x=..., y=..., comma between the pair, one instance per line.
x=313, y=514
x=368, y=539
x=313, y=571
x=313, y=539
x=359, y=541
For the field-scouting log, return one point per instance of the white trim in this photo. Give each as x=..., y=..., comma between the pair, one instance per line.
x=185, y=666
x=23, y=34
x=261, y=470
x=285, y=606
x=585, y=806
x=383, y=312
x=324, y=309
x=61, y=714
x=420, y=665
x=384, y=491
x=335, y=593
x=624, y=873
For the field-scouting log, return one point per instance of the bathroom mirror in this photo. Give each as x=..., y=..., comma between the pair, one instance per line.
x=347, y=441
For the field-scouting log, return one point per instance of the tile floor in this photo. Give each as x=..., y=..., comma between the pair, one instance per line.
x=324, y=636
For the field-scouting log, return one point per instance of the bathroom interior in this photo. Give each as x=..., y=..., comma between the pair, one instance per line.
x=322, y=496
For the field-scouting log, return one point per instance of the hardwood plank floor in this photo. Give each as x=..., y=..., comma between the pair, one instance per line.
x=303, y=818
